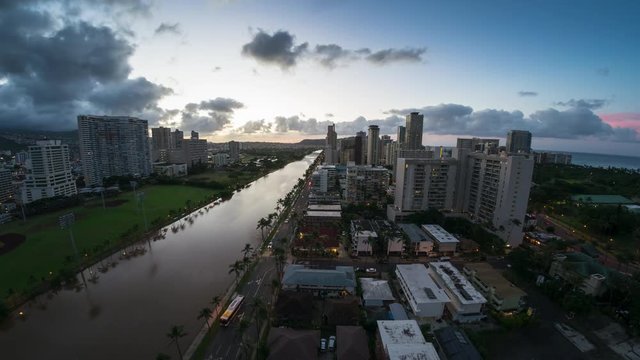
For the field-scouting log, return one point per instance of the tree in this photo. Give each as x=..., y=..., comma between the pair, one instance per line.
x=247, y=250
x=259, y=312
x=280, y=260
x=236, y=268
x=262, y=224
x=175, y=333
x=206, y=314
x=215, y=302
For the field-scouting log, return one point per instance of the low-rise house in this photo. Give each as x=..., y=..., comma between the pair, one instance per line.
x=363, y=235
x=455, y=344
x=396, y=312
x=501, y=295
x=421, y=244
x=424, y=296
x=317, y=239
x=445, y=243
x=578, y=267
x=466, y=302
x=403, y=339
x=322, y=218
x=375, y=292
x=351, y=343
x=286, y=343
x=338, y=281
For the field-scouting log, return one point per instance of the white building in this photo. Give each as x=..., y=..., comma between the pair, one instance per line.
x=113, y=146
x=425, y=297
x=375, y=292
x=362, y=235
x=466, y=302
x=170, y=170
x=423, y=183
x=421, y=244
x=501, y=294
x=49, y=173
x=445, y=243
x=403, y=340
x=220, y=159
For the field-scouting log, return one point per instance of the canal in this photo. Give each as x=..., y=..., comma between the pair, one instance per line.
x=127, y=313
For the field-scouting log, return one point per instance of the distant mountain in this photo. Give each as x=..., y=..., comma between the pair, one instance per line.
x=312, y=142
x=8, y=144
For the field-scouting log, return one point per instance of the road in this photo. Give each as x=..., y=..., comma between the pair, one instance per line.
x=227, y=343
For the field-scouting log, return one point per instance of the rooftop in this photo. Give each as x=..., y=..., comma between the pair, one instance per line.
x=374, y=289
x=353, y=343
x=324, y=208
x=414, y=233
x=456, y=345
x=397, y=312
x=421, y=285
x=439, y=234
x=601, y=199
x=362, y=225
x=492, y=277
x=342, y=276
x=458, y=284
x=412, y=352
x=285, y=343
x=326, y=214
x=400, y=332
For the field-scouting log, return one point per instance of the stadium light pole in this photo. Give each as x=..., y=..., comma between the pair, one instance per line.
x=140, y=197
x=66, y=222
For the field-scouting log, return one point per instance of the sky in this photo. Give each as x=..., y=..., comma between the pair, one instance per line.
x=266, y=70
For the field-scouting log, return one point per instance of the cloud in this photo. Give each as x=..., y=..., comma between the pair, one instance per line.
x=209, y=116
x=384, y=57
x=54, y=69
x=167, y=28
x=277, y=49
x=527, y=93
x=257, y=126
x=584, y=103
x=329, y=55
x=280, y=49
x=329, y=115
x=603, y=71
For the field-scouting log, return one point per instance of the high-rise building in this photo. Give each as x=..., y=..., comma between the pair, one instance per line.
x=6, y=189
x=414, y=131
x=359, y=148
x=234, y=151
x=547, y=157
x=113, y=146
x=479, y=144
x=161, y=138
x=192, y=152
x=424, y=183
x=49, y=173
x=518, y=141
x=194, y=135
x=401, y=136
x=367, y=185
x=177, y=137
x=331, y=148
x=373, y=145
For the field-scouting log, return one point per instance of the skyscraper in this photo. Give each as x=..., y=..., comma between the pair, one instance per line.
x=331, y=148
x=49, y=173
x=373, y=145
x=414, y=131
x=425, y=183
x=113, y=146
x=401, y=136
x=234, y=151
x=518, y=141
x=6, y=191
x=359, y=147
x=161, y=138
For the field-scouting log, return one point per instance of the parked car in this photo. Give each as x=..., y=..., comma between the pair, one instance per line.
x=270, y=245
x=332, y=343
x=371, y=270
x=323, y=345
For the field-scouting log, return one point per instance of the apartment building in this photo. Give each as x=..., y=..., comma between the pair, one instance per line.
x=501, y=294
x=421, y=244
x=425, y=297
x=49, y=173
x=414, y=129
x=363, y=234
x=6, y=188
x=113, y=146
x=403, y=340
x=466, y=302
x=373, y=145
x=518, y=141
x=444, y=242
x=366, y=185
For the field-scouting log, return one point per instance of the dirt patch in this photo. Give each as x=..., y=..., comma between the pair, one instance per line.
x=10, y=241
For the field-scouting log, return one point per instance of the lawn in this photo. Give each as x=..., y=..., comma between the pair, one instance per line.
x=47, y=245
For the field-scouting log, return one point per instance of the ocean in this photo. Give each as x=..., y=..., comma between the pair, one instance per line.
x=603, y=160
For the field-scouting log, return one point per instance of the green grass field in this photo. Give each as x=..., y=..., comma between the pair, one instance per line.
x=47, y=244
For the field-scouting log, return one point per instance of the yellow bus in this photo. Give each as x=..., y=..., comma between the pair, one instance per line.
x=231, y=311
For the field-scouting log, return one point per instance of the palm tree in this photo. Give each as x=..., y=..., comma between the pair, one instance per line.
x=280, y=260
x=215, y=302
x=247, y=250
x=262, y=224
x=259, y=312
x=236, y=268
x=205, y=314
x=177, y=332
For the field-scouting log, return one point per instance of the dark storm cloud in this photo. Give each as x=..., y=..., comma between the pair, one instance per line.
x=209, y=116
x=592, y=104
x=166, y=28
x=280, y=49
x=527, y=93
x=277, y=49
x=388, y=56
x=53, y=70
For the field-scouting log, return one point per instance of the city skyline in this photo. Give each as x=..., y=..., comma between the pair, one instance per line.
x=268, y=71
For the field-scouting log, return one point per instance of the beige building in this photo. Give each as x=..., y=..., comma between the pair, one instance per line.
x=49, y=172
x=501, y=294
x=367, y=185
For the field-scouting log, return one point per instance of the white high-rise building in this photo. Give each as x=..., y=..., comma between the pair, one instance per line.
x=373, y=145
x=424, y=183
x=113, y=146
x=49, y=173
